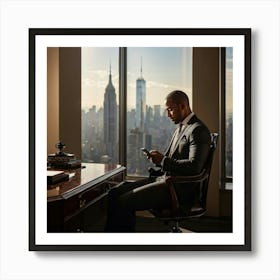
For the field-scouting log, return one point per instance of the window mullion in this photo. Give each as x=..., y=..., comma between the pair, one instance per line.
x=222, y=119
x=122, y=105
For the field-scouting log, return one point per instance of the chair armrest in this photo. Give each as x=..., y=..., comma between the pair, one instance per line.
x=187, y=179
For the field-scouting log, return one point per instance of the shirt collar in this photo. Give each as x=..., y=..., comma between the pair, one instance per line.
x=188, y=117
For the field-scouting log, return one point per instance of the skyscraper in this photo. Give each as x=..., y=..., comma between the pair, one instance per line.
x=157, y=114
x=139, y=136
x=140, y=101
x=110, y=120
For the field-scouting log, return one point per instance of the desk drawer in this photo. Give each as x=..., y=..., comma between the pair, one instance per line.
x=81, y=201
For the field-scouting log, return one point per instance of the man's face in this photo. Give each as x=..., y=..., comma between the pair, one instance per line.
x=174, y=111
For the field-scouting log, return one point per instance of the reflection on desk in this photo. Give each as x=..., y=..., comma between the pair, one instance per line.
x=90, y=173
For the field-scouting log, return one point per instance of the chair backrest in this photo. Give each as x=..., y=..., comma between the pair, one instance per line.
x=208, y=165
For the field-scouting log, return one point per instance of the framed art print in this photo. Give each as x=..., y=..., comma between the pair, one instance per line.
x=97, y=96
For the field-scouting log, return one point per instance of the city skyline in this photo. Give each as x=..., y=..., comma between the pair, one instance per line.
x=164, y=69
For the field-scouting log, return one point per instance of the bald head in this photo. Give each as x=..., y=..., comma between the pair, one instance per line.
x=178, y=97
x=177, y=106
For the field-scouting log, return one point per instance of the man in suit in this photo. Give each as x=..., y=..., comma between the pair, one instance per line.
x=186, y=155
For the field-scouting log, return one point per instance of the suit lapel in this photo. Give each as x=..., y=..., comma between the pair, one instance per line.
x=183, y=132
x=170, y=143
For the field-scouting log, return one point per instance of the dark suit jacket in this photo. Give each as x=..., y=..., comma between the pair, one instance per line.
x=188, y=156
x=191, y=151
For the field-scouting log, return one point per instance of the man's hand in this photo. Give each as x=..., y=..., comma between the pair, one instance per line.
x=156, y=157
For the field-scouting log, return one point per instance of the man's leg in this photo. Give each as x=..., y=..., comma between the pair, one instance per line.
x=124, y=202
x=114, y=215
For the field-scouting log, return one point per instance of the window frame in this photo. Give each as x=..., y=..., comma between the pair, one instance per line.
x=123, y=106
x=224, y=178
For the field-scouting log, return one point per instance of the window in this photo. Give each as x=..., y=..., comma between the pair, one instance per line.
x=151, y=74
x=100, y=91
x=229, y=118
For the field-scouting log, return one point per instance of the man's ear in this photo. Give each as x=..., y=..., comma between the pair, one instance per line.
x=181, y=106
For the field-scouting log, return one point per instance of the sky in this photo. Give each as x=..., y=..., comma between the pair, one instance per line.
x=164, y=69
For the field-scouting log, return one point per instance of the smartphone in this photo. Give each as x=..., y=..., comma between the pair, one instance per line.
x=145, y=151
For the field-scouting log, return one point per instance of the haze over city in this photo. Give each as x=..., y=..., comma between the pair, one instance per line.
x=164, y=70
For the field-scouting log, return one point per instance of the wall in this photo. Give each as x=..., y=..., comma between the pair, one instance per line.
x=70, y=99
x=206, y=106
x=52, y=99
x=64, y=99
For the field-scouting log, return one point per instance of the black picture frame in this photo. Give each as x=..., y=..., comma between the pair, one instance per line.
x=34, y=33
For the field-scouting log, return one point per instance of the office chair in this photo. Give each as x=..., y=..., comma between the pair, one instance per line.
x=177, y=213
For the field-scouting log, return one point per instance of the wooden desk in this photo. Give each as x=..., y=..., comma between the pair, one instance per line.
x=68, y=200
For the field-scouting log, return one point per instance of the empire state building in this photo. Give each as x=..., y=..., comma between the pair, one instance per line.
x=110, y=120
